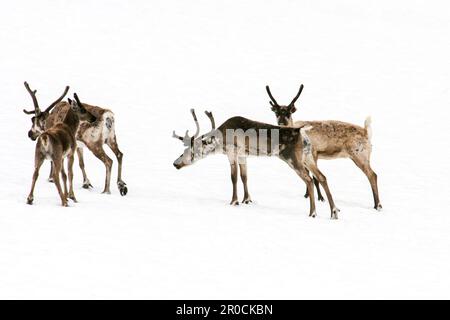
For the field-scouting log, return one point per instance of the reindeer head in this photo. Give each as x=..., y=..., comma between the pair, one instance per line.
x=80, y=110
x=284, y=113
x=196, y=147
x=40, y=117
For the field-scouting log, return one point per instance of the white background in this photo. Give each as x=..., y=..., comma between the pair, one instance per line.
x=174, y=235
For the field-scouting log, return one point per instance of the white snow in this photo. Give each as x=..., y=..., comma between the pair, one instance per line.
x=174, y=235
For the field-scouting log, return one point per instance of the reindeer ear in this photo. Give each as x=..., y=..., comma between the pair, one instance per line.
x=70, y=100
x=293, y=108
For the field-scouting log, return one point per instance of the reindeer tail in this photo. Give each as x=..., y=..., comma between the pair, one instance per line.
x=368, y=127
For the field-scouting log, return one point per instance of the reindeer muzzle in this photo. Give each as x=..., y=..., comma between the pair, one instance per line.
x=31, y=135
x=178, y=166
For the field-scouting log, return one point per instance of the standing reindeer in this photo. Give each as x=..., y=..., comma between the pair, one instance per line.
x=56, y=144
x=96, y=130
x=94, y=135
x=239, y=138
x=334, y=139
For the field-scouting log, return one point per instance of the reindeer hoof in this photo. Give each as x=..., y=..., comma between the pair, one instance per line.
x=247, y=201
x=334, y=214
x=30, y=200
x=379, y=207
x=122, y=188
x=313, y=214
x=106, y=192
x=306, y=195
x=234, y=203
x=321, y=199
x=73, y=199
x=50, y=180
x=87, y=185
x=65, y=204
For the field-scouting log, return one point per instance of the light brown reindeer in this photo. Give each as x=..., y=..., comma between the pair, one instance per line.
x=334, y=139
x=239, y=138
x=56, y=144
x=95, y=131
x=94, y=135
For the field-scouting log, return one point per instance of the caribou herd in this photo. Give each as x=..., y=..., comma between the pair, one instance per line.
x=67, y=127
x=64, y=128
x=300, y=144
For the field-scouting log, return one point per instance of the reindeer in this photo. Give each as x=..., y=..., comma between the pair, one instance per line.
x=239, y=138
x=94, y=135
x=56, y=144
x=98, y=129
x=334, y=139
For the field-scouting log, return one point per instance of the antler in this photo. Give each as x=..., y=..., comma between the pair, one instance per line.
x=298, y=95
x=78, y=100
x=58, y=100
x=35, y=102
x=196, y=123
x=187, y=139
x=273, y=102
x=211, y=118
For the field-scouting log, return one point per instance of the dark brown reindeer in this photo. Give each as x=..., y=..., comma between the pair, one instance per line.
x=97, y=130
x=334, y=139
x=56, y=144
x=239, y=138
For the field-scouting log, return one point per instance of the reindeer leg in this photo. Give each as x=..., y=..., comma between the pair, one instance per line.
x=50, y=176
x=39, y=160
x=56, y=171
x=303, y=173
x=70, y=161
x=364, y=165
x=243, y=171
x=307, y=191
x=100, y=154
x=312, y=166
x=316, y=183
x=112, y=143
x=234, y=177
x=64, y=179
x=319, y=194
x=86, y=183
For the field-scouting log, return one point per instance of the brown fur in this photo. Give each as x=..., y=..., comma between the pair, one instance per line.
x=55, y=144
x=334, y=139
x=293, y=148
x=94, y=121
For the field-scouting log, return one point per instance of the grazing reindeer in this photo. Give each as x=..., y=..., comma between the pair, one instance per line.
x=239, y=138
x=96, y=130
x=55, y=144
x=334, y=139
